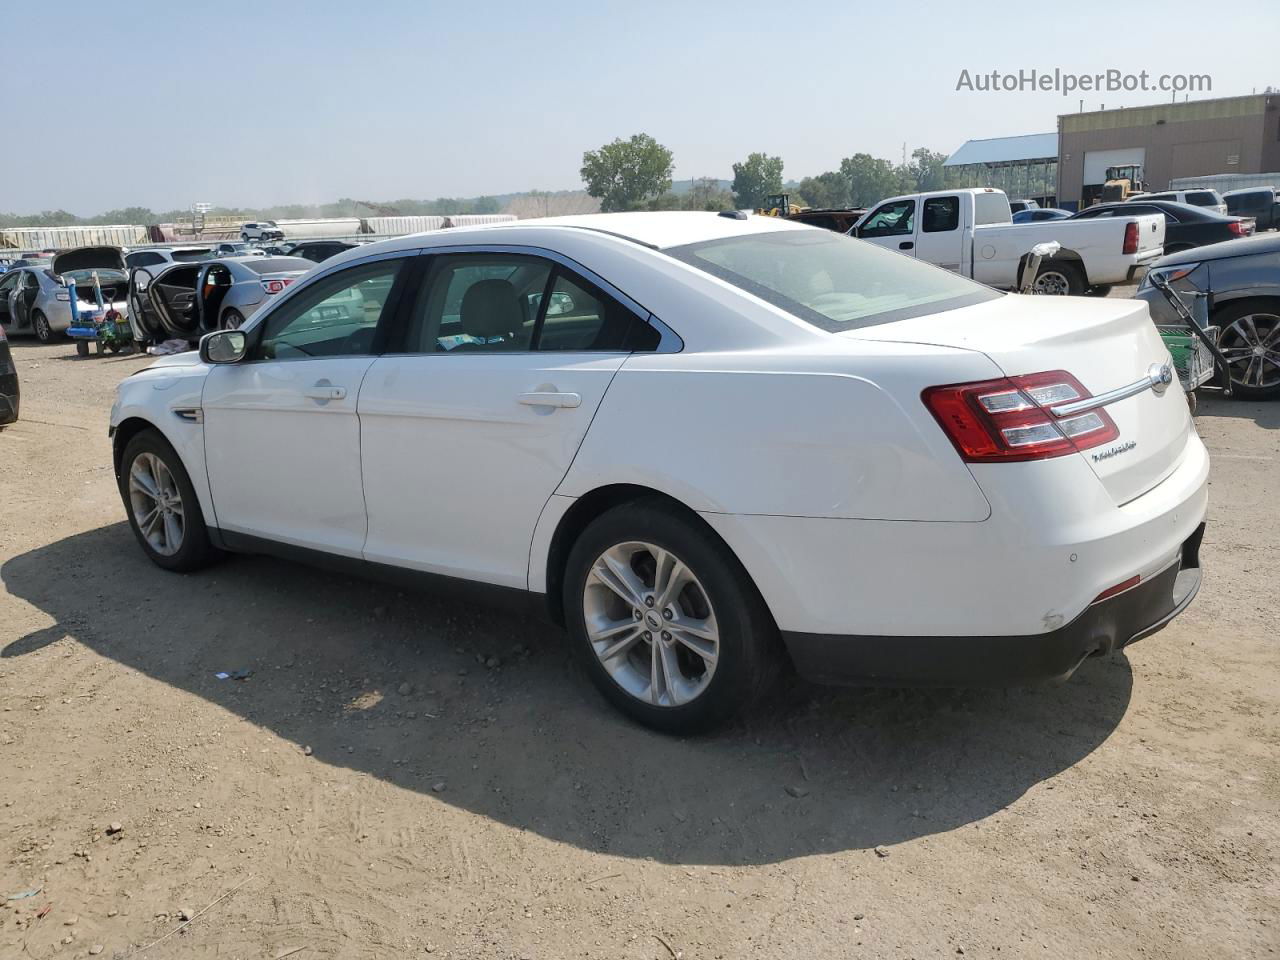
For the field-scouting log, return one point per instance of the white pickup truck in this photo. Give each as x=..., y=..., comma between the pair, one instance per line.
x=971, y=232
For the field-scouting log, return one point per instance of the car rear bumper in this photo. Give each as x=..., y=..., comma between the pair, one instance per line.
x=1103, y=627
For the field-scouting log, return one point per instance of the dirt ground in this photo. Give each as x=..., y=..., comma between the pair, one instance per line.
x=406, y=775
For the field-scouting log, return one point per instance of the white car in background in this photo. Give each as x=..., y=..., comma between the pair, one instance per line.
x=687, y=436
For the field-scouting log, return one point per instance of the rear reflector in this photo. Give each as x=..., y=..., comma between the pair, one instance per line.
x=1118, y=588
x=1009, y=420
x=1130, y=238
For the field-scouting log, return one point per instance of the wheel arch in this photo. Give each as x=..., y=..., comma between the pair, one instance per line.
x=187, y=444
x=1064, y=257
x=586, y=508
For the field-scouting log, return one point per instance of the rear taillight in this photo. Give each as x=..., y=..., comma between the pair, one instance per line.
x=1240, y=228
x=276, y=286
x=1009, y=420
x=1130, y=238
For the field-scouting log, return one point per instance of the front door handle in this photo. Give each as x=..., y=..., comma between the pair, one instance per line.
x=547, y=399
x=905, y=245
x=324, y=391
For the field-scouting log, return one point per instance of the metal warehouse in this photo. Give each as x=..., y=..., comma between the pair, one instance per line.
x=1024, y=167
x=1227, y=135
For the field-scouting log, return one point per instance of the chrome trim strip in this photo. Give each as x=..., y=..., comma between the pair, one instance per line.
x=1158, y=378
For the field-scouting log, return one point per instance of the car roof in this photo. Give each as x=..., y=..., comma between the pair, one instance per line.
x=1260, y=243
x=1263, y=188
x=1173, y=206
x=657, y=230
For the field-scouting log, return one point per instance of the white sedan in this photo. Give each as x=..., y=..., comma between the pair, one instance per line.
x=706, y=444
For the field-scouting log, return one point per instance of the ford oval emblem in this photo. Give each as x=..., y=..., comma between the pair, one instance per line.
x=1160, y=375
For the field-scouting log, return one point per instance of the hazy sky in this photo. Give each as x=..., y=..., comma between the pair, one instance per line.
x=162, y=104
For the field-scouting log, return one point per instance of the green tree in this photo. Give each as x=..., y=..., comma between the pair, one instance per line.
x=828, y=189
x=624, y=174
x=871, y=179
x=926, y=170
x=755, y=178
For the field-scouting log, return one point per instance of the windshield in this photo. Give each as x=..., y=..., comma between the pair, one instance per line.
x=832, y=281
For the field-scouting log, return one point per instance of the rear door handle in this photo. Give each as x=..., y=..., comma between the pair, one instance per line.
x=906, y=245
x=324, y=391
x=543, y=399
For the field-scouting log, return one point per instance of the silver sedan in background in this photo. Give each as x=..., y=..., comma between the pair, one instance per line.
x=37, y=299
x=181, y=301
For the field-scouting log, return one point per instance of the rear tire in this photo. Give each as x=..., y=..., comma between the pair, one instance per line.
x=1060, y=278
x=40, y=327
x=679, y=595
x=161, y=504
x=231, y=320
x=1246, y=328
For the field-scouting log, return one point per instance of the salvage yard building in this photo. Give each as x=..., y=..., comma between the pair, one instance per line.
x=1170, y=140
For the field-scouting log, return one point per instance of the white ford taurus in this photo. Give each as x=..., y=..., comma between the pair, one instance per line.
x=688, y=437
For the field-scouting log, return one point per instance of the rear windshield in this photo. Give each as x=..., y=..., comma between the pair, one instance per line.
x=190, y=256
x=83, y=277
x=1203, y=198
x=276, y=264
x=832, y=281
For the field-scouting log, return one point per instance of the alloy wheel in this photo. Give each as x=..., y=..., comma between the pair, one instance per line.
x=43, y=331
x=1251, y=346
x=651, y=624
x=157, y=504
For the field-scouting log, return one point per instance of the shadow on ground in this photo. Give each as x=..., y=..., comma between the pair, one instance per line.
x=528, y=742
x=1212, y=405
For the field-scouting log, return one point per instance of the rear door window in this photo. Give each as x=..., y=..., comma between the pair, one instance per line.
x=941, y=214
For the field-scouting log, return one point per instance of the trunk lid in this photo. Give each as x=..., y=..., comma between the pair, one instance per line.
x=1105, y=344
x=88, y=258
x=1150, y=232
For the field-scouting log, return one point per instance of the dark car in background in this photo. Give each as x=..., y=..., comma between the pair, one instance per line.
x=1261, y=203
x=1185, y=226
x=1241, y=280
x=8, y=384
x=1039, y=214
x=318, y=251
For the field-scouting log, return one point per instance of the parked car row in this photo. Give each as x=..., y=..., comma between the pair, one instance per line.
x=1185, y=226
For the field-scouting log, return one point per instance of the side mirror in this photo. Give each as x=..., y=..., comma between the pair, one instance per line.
x=561, y=303
x=223, y=346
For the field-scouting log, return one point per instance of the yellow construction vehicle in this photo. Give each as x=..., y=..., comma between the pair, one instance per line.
x=1123, y=182
x=779, y=205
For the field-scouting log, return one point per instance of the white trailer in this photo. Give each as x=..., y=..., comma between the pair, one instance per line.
x=62, y=238
x=1222, y=182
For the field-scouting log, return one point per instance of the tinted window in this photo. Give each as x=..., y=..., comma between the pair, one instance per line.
x=146, y=258
x=1203, y=198
x=894, y=219
x=1248, y=201
x=831, y=281
x=580, y=317
x=332, y=318
x=940, y=214
x=479, y=303
x=190, y=256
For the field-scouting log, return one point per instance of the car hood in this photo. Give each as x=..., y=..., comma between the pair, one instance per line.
x=88, y=258
x=1237, y=247
x=190, y=358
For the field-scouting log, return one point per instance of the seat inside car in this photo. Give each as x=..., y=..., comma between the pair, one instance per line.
x=490, y=312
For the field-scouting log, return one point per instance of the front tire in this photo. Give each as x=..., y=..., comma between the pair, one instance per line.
x=666, y=621
x=40, y=327
x=231, y=320
x=161, y=503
